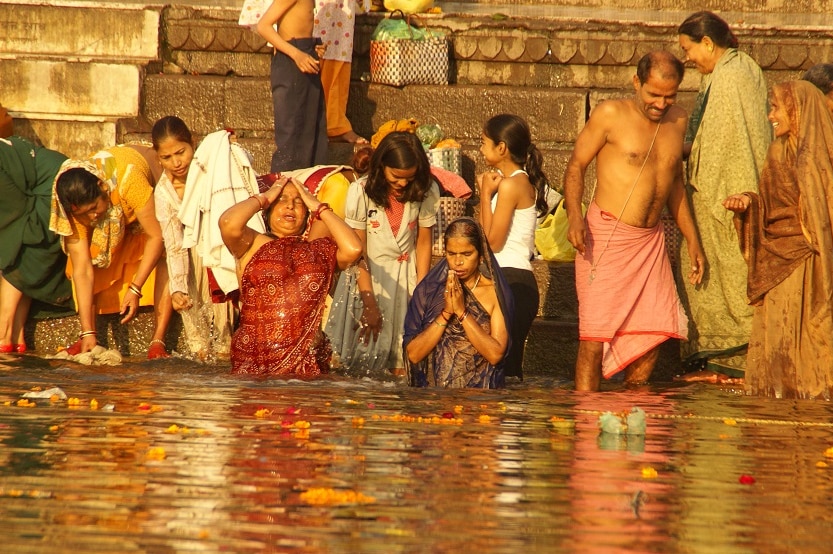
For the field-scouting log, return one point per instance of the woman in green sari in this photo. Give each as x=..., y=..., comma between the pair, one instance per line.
x=32, y=263
x=727, y=139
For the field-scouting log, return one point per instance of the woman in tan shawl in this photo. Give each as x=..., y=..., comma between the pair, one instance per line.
x=786, y=238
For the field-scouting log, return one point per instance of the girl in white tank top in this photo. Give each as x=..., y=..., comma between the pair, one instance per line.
x=512, y=196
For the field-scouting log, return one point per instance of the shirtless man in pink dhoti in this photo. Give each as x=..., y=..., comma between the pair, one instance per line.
x=628, y=302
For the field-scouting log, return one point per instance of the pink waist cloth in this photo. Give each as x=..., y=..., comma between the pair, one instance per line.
x=631, y=304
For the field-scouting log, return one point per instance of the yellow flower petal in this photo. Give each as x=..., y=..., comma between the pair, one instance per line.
x=649, y=473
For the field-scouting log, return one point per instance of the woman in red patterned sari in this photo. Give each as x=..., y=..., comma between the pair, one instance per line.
x=284, y=279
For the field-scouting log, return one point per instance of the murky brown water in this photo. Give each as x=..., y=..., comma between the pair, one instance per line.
x=399, y=470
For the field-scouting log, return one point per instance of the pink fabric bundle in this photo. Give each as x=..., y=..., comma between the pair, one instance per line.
x=631, y=304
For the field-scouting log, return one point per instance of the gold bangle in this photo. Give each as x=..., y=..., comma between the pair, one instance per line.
x=86, y=334
x=441, y=324
x=135, y=289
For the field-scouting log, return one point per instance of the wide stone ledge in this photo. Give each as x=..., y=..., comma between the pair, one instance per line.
x=67, y=88
x=542, y=39
x=75, y=30
x=73, y=138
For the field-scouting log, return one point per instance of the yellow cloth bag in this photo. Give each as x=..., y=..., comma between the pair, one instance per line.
x=551, y=236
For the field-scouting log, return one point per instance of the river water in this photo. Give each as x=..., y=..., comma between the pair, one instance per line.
x=175, y=457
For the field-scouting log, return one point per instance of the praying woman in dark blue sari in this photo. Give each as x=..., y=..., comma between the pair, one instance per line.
x=456, y=326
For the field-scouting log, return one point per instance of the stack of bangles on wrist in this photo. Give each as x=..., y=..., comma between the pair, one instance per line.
x=322, y=207
x=262, y=200
x=463, y=317
x=132, y=287
x=86, y=334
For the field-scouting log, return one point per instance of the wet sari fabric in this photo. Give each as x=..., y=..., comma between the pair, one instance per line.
x=283, y=293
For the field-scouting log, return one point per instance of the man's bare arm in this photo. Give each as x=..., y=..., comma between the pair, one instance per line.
x=589, y=143
x=680, y=209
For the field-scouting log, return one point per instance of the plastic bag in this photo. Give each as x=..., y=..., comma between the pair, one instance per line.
x=397, y=26
x=551, y=236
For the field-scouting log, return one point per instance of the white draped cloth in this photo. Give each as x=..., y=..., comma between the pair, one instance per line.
x=221, y=175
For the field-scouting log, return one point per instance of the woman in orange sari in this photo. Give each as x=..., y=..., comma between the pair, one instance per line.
x=285, y=276
x=102, y=209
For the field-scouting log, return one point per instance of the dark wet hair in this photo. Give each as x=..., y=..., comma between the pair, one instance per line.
x=465, y=228
x=170, y=126
x=77, y=187
x=666, y=64
x=398, y=150
x=820, y=75
x=514, y=132
x=706, y=24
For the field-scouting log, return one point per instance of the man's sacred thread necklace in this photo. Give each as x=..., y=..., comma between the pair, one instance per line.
x=625, y=205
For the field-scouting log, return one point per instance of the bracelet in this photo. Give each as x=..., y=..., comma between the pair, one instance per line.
x=447, y=315
x=463, y=317
x=135, y=289
x=86, y=334
x=441, y=324
x=322, y=207
x=262, y=200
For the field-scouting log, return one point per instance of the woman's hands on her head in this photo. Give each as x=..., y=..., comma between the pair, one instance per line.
x=276, y=189
x=310, y=201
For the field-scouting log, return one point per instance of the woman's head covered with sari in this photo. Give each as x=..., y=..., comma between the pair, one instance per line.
x=428, y=299
x=798, y=170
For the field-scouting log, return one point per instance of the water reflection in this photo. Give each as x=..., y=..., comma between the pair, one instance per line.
x=192, y=459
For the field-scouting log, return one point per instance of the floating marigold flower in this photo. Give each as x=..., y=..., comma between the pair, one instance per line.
x=484, y=419
x=93, y=404
x=332, y=497
x=25, y=403
x=156, y=453
x=351, y=401
x=301, y=424
x=53, y=428
x=829, y=452
x=54, y=398
x=729, y=421
x=144, y=406
x=263, y=412
x=358, y=422
x=821, y=465
x=458, y=409
x=649, y=473
x=73, y=401
x=173, y=429
x=302, y=434
x=562, y=423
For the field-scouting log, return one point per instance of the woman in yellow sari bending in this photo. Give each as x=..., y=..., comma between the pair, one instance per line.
x=103, y=211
